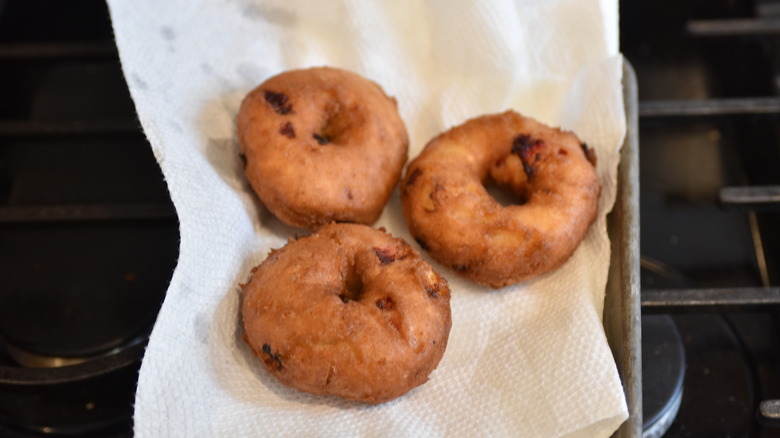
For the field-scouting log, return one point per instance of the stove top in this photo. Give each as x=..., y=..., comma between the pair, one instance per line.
x=709, y=154
x=89, y=238
x=88, y=235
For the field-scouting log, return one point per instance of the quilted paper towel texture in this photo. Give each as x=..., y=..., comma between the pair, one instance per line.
x=528, y=360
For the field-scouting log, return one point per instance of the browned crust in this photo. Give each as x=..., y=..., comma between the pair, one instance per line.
x=322, y=145
x=548, y=171
x=348, y=311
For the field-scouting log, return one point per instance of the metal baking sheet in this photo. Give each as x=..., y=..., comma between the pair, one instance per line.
x=622, y=313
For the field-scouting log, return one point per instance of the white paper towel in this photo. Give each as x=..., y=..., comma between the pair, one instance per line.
x=527, y=360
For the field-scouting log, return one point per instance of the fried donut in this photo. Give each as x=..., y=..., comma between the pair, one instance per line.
x=549, y=174
x=322, y=145
x=348, y=311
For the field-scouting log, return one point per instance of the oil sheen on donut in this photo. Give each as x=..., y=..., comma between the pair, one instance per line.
x=349, y=311
x=549, y=174
x=322, y=145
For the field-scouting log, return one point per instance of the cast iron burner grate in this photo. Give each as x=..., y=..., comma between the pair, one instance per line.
x=88, y=235
x=709, y=107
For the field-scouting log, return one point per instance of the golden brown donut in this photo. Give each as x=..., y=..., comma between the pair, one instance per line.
x=550, y=174
x=322, y=145
x=348, y=311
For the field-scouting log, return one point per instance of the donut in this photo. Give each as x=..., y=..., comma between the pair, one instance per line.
x=548, y=173
x=322, y=145
x=348, y=311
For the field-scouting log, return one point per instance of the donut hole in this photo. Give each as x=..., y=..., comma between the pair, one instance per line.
x=507, y=182
x=354, y=287
x=338, y=125
x=504, y=195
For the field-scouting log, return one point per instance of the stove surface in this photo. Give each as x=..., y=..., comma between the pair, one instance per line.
x=88, y=236
x=708, y=120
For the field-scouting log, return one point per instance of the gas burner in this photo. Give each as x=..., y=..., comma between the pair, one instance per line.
x=663, y=371
x=90, y=399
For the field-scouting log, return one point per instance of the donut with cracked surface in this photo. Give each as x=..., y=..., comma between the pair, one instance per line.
x=549, y=174
x=322, y=145
x=348, y=311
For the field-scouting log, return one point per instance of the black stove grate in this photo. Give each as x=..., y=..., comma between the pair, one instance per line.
x=88, y=234
x=709, y=109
